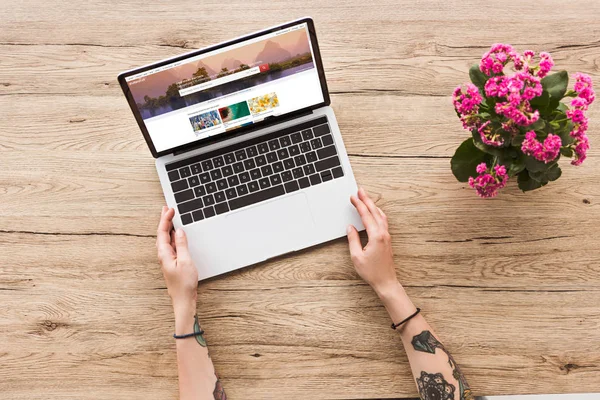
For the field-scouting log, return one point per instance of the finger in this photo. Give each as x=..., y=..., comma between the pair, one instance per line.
x=163, y=238
x=354, y=243
x=384, y=218
x=181, y=244
x=365, y=215
x=362, y=194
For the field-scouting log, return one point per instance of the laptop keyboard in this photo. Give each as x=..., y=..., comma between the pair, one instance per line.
x=247, y=173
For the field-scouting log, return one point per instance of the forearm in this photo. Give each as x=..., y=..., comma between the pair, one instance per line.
x=197, y=377
x=436, y=373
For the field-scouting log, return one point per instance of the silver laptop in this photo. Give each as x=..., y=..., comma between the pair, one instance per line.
x=247, y=148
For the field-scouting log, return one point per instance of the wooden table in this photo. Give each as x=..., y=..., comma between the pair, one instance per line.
x=512, y=284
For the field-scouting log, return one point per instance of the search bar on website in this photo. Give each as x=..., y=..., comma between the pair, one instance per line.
x=220, y=81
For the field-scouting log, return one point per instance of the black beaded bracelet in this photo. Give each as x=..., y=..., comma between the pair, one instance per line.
x=405, y=320
x=187, y=335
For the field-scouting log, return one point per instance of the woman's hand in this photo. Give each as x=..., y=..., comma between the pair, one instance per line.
x=178, y=268
x=374, y=263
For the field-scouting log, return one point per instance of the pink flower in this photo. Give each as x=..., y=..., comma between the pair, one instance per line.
x=467, y=104
x=580, y=147
x=546, y=64
x=488, y=136
x=494, y=60
x=489, y=182
x=517, y=90
x=584, y=88
x=546, y=152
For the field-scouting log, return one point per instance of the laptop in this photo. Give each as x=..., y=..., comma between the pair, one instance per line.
x=247, y=147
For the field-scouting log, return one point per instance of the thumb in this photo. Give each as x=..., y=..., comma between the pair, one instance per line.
x=354, y=241
x=181, y=244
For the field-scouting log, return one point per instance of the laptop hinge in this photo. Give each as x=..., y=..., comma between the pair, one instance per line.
x=295, y=116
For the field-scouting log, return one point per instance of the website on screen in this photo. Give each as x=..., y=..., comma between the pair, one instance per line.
x=225, y=89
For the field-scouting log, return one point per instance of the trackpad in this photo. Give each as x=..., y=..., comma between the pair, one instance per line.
x=271, y=229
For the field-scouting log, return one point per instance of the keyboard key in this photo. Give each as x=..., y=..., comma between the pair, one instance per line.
x=264, y=183
x=321, y=130
x=266, y=170
x=229, y=158
x=199, y=191
x=221, y=208
x=209, y=212
x=216, y=174
x=233, y=181
x=244, y=177
x=326, y=152
x=316, y=143
x=242, y=190
x=249, y=164
x=291, y=186
x=209, y=200
x=315, y=179
x=275, y=179
x=274, y=144
x=255, y=174
x=189, y=206
x=307, y=134
x=288, y=163
x=185, y=172
x=300, y=160
x=296, y=137
x=207, y=165
x=222, y=184
x=311, y=157
x=286, y=176
x=204, y=178
x=218, y=162
x=278, y=167
x=238, y=167
x=173, y=175
x=193, y=181
x=337, y=172
x=294, y=150
x=282, y=153
x=256, y=197
x=251, y=151
x=285, y=141
x=230, y=193
x=327, y=140
x=260, y=161
x=272, y=157
x=227, y=170
x=211, y=187
x=186, y=219
x=253, y=186
x=198, y=215
x=309, y=169
x=327, y=163
x=240, y=155
x=184, y=196
x=219, y=197
x=179, y=185
x=196, y=169
x=326, y=175
x=304, y=183
x=263, y=148
x=297, y=172
x=304, y=147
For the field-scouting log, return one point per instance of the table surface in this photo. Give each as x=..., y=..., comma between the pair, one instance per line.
x=512, y=285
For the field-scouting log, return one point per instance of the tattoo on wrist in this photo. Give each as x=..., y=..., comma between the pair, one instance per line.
x=430, y=384
x=219, y=392
x=199, y=338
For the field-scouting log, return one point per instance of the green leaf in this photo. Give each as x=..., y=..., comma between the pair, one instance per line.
x=465, y=160
x=526, y=183
x=541, y=102
x=554, y=173
x=565, y=133
x=556, y=84
x=566, y=151
x=534, y=165
x=562, y=107
x=516, y=167
x=478, y=78
x=537, y=125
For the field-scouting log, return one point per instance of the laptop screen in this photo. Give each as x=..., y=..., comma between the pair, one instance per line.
x=218, y=92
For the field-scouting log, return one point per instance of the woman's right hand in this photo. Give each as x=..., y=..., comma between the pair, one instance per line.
x=375, y=262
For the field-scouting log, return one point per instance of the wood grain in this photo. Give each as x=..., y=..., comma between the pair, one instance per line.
x=511, y=284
